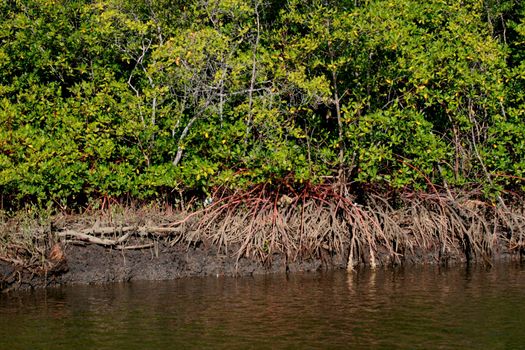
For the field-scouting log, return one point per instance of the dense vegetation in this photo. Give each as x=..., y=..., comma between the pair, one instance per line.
x=151, y=99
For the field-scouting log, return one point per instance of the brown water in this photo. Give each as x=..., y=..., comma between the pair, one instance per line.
x=424, y=308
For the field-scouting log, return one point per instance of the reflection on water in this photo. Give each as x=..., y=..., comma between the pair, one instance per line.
x=424, y=308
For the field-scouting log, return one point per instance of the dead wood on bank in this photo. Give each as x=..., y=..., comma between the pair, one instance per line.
x=90, y=235
x=314, y=223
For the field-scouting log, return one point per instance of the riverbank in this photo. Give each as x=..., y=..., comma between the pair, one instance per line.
x=246, y=235
x=93, y=264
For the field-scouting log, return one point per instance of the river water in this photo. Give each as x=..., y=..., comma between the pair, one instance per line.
x=411, y=308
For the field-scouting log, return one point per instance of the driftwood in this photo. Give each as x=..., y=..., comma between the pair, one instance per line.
x=133, y=247
x=90, y=235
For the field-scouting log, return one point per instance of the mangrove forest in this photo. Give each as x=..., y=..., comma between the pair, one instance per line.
x=373, y=130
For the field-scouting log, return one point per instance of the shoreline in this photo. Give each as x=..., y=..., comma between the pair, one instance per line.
x=240, y=236
x=94, y=264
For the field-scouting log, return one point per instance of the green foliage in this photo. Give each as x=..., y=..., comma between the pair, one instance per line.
x=141, y=98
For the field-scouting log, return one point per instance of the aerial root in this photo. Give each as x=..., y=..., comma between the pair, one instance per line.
x=315, y=223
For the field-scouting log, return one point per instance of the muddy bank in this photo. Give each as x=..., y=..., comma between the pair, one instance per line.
x=95, y=264
x=245, y=234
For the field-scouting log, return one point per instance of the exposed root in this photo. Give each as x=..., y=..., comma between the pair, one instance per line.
x=314, y=223
x=428, y=227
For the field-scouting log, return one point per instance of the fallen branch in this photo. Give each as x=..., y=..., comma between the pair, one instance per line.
x=90, y=235
x=99, y=231
x=133, y=247
x=92, y=239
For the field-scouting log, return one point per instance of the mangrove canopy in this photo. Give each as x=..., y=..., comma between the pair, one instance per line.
x=147, y=99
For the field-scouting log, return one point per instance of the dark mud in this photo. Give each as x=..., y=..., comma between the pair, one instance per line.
x=94, y=264
x=257, y=233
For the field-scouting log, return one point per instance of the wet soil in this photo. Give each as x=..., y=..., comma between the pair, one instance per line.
x=94, y=264
x=138, y=243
